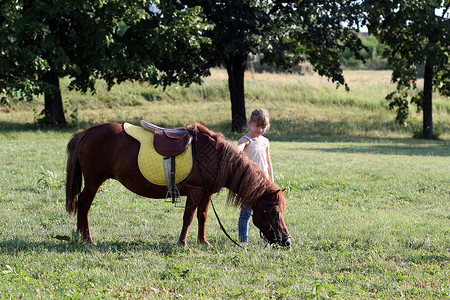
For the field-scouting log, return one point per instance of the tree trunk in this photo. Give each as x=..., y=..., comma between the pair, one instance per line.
x=54, y=112
x=236, y=67
x=427, y=101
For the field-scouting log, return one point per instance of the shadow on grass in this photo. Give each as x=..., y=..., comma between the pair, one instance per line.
x=287, y=130
x=420, y=259
x=15, y=246
x=8, y=127
x=412, y=148
x=165, y=247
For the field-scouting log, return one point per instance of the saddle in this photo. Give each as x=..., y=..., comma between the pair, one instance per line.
x=169, y=143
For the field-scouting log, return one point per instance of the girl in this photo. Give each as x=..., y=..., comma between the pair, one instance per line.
x=256, y=147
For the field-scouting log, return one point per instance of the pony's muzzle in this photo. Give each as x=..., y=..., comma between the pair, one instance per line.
x=286, y=241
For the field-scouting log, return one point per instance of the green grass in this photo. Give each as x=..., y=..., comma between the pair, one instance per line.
x=368, y=207
x=368, y=219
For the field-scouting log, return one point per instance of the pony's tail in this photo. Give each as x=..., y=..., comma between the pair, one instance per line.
x=74, y=175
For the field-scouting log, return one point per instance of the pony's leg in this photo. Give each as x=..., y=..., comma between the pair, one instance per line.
x=84, y=205
x=188, y=215
x=202, y=212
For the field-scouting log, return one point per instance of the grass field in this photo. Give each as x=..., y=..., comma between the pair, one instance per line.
x=368, y=206
x=300, y=106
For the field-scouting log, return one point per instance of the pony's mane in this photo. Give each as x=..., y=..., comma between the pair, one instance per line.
x=245, y=181
x=199, y=127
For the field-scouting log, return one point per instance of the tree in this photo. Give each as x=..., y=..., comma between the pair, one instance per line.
x=44, y=40
x=286, y=32
x=417, y=33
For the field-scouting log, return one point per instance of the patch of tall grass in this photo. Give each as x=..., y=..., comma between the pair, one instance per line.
x=301, y=106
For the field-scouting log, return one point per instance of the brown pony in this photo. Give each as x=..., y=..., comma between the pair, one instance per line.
x=107, y=151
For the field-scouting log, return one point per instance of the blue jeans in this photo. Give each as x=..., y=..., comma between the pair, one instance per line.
x=244, y=219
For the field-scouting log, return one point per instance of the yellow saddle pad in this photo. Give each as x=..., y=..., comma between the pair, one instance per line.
x=151, y=162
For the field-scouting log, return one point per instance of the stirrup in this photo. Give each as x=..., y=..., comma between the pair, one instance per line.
x=176, y=199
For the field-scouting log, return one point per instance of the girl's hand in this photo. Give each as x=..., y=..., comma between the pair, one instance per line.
x=242, y=143
x=241, y=146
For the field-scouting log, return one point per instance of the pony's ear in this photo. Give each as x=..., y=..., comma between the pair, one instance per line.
x=280, y=191
x=275, y=193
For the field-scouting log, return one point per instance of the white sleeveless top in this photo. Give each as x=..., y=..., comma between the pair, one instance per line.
x=256, y=152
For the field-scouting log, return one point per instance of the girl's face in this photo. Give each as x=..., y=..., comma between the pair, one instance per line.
x=255, y=129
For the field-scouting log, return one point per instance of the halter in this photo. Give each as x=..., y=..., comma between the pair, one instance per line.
x=264, y=215
x=271, y=230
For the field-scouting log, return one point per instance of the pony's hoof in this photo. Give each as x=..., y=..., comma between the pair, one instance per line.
x=181, y=244
x=204, y=243
x=89, y=241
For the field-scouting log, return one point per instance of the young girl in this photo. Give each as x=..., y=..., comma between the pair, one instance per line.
x=256, y=147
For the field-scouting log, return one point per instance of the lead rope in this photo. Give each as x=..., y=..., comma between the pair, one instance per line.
x=197, y=159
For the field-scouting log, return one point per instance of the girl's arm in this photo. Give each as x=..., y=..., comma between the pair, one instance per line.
x=242, y=143
x=269, y=164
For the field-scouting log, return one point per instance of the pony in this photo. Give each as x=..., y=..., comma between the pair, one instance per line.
x=106, y=151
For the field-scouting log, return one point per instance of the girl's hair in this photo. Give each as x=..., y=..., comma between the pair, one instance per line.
x=260, y=116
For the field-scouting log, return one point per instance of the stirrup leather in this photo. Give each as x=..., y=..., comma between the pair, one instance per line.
x=172, y=189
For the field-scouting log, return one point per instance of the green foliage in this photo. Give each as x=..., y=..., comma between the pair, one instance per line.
x=112, y=40
x=372, y=55
x=285, y=33
x=313, y=31
x=416, y=33
x=49, y=179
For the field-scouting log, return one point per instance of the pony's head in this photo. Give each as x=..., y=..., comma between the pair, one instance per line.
x=268, y=216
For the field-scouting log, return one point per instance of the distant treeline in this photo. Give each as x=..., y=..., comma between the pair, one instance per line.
x=373, y=59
